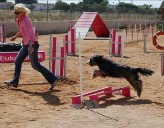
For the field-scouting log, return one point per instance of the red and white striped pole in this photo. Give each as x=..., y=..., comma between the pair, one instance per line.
x=58, y=59
x=116, y=43
x=126, y=30
x=36, y=34
x=70, y=42
x=2, y=33
x=132, y=32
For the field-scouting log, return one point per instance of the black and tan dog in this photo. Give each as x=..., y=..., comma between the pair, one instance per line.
x=108, y=68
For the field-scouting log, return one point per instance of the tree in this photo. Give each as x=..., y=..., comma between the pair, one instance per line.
x=3, y=1
x=82, y=7
x=72, y=7
x=95, y=1
x=94, y=5
x=59, y=5
x=26, y=1
x=125, y=7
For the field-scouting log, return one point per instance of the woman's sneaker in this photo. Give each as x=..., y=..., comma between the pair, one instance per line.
x=53, y=85
x=11, y=83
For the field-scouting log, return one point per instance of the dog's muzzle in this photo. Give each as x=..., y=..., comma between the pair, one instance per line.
x=90, y=62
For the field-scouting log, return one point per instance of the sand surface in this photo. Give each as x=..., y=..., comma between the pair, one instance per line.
x=32, y=105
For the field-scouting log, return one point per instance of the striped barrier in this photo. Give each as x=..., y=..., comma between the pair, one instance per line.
x=9, y=57
x=57, y=58
x=116, y=43
x=2, y=33
x=97, y=94
x=70, y=42
x=36, y=34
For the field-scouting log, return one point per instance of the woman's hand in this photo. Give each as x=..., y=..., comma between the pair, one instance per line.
x=30, y=49
x=13, y=38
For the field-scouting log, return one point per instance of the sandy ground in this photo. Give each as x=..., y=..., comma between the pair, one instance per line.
x=32, y=105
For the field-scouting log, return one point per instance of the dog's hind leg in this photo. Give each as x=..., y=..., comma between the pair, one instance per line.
x=135, y=83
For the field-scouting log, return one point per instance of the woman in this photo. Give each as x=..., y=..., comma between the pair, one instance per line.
x=30, y=47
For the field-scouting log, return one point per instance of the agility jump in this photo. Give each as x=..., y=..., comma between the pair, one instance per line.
x=58, y=54
x=116, y=43
x=96, y=94
x=155, y=43
x=57, y=58
x=9, y=51
x=70, y=41
x=91, y=20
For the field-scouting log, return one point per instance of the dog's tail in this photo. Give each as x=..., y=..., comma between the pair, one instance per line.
x=144, y=71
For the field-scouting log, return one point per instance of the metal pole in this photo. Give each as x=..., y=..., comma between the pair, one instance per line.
x=80, y=63
x=47, y=10
x=122, y=55
x=110, y=41
x=145, y=38
x=65, y=58
x=50, y=54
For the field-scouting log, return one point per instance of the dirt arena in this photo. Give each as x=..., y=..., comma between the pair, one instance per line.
x=32, y=105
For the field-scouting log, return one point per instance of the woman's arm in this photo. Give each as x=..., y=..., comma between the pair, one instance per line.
x=30, y=48
x=15, y=36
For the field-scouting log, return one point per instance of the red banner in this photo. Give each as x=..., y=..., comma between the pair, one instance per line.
x=9, y=57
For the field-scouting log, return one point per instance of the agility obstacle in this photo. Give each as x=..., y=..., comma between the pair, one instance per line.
x=116, y=43
x=149, y=29
x=160, y=48
x=57, y=58
x=9, y=57
x=94, y=96
x=9, y=52
x=155, y=40
x=137, y=32
x=91, y=20
x=36, y=34
x=2, y=33
x=70, y=41
x=97, y=94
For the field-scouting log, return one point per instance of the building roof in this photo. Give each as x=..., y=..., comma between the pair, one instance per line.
x=162, y=4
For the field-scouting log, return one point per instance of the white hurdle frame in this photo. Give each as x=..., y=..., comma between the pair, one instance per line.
x=80, y=64
x=70, y=42
x=59, y=59
x=81, y=70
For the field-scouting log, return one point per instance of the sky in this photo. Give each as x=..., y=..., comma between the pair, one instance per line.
x=154, y=3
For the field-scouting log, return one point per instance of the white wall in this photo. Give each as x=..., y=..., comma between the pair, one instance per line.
x=55, y=27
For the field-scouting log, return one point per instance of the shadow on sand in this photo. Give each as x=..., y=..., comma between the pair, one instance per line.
x=47, y=96
x=127, y=101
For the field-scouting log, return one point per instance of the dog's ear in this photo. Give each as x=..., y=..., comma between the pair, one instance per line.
x=98, y=56
x=101, y=56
